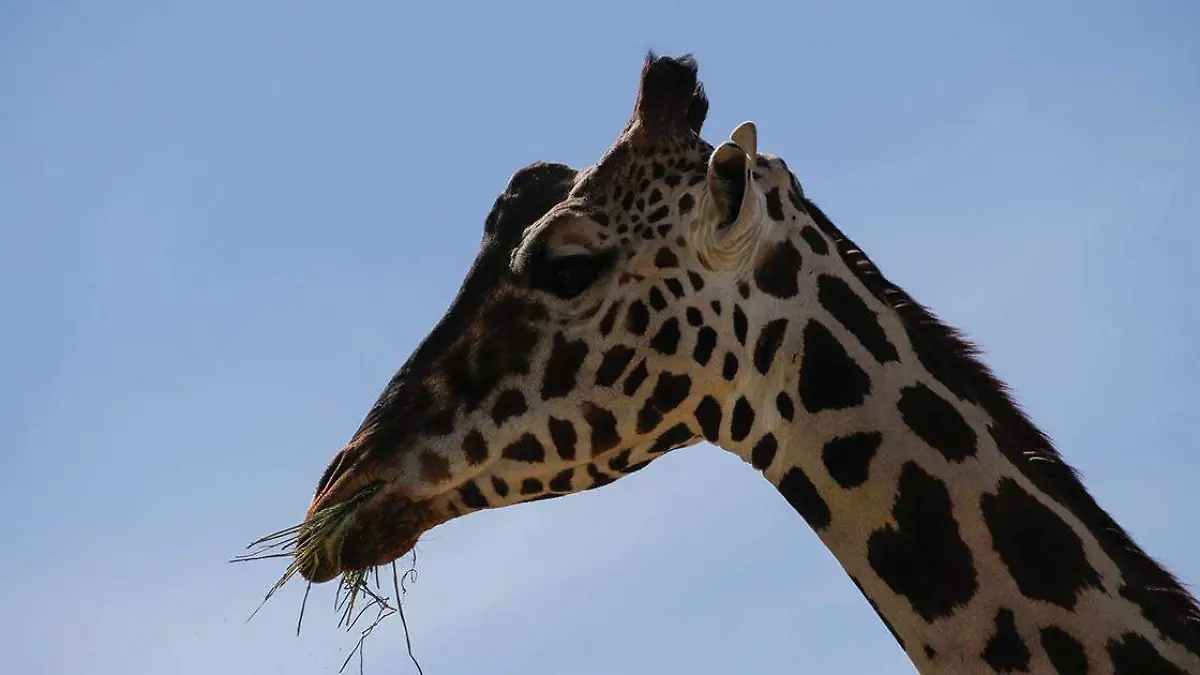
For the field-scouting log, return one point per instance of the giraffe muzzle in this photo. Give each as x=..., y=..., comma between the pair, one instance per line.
x=366, y=531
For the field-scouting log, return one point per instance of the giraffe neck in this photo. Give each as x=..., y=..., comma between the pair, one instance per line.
x=928, y=494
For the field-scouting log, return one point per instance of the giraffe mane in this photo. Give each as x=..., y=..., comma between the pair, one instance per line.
x=1164, y=600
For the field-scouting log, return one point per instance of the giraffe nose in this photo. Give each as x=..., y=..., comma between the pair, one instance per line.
x=348, y=474
x=337, y=466
x=337, y=479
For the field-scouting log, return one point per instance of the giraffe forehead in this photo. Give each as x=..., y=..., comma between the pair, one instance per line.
x=625, y=169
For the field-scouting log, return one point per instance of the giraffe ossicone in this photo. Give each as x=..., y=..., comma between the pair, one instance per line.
x=675, y=292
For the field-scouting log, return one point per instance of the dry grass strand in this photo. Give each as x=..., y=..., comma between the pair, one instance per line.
x=354, y=587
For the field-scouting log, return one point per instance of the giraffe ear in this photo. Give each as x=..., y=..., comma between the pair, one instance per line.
x=735, y=203
x=746, y=136
x=729, y=182
x=727, y=179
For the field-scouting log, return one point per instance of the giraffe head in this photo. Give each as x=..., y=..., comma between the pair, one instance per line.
x=603, y=323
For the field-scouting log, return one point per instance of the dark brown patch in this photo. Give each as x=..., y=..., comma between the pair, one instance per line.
x=658, y=301
x=620, y=461
x=1066, y=654
x=434, y=468
x=509, y=404
x=636, y=377
x=604, y=428
x=1134, y=655
x=1005, y=651
x=527, y=448
x=763, y=453
x=610, y=318
x=665, y=258
x=774, y=204
x=741, y=421
x=562, y=480
x=599, y=478
x=562, y=434
x=671, y=438
x=729, y=369
x=923, y=557
x=829, y=378
x=615, y=360
x=800, y=492
x=785, y=406
x=472, y=497
x=1042, y=553
x=706, y=341
x=637, y=318
x=708, y=416
x=500, y=486
x=670, y=390
x=848, y=458
x=814, y=240
x=474, y=447
x=770, y=338
x=836, y=296
x=666, y=340
x=937, y=422
x=778, y=269
x=740, y=325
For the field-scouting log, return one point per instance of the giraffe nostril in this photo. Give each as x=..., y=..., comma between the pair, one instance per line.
x=348, y=473
x=335, y=468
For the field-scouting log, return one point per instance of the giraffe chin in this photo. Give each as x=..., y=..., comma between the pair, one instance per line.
x=381, y=531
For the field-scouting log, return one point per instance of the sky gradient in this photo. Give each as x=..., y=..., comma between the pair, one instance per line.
x=224, y=225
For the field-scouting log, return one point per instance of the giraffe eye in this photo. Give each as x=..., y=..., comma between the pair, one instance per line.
x=570, y=275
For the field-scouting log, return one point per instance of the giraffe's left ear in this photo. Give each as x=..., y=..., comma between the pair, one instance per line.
x=732, y=215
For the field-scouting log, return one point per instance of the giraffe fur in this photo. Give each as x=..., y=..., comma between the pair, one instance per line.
x=676, y=292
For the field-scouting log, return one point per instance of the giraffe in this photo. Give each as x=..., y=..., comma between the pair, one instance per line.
x=675, y=292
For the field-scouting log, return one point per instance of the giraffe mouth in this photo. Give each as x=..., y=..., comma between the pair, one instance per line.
x=351, y=536
x=367, y=530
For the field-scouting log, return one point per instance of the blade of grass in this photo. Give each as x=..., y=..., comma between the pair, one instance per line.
x=353, y=586
x=314, y=531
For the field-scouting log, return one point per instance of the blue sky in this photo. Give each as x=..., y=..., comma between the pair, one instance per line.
x=223, y=226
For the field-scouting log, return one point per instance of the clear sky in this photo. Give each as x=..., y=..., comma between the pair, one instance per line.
x=223, y=225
